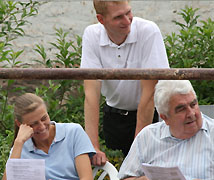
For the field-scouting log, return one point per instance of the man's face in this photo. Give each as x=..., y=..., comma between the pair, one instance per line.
x=184, y=117
x=117, y=21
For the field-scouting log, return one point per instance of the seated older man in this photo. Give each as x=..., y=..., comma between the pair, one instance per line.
x=185, y=138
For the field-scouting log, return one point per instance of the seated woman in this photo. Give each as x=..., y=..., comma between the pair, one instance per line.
x=65, y=147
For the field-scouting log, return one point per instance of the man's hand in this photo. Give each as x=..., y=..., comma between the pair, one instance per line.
x=99, y=159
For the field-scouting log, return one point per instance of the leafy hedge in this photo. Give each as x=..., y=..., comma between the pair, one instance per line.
x=193, y=46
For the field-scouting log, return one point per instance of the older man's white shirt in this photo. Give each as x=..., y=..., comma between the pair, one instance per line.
x=155, y=145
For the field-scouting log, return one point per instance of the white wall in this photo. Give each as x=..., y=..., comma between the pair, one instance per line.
x=74, y=16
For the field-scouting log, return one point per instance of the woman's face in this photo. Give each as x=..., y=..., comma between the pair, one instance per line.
x=40, y=122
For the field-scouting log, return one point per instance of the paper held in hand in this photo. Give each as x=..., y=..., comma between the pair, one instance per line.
x=25, y=169
x=162, y=173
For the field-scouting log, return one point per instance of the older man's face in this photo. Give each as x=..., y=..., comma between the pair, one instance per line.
x=184, y=117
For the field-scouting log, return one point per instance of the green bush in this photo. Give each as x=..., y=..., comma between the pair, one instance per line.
x=68, y=55
x=193, y=47
x=5, y=145
x=13, y=16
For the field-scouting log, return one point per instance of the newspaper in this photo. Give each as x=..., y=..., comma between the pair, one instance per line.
x=162, y=173
x=25, y=169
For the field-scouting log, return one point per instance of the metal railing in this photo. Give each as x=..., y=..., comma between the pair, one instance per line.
x=123, y=74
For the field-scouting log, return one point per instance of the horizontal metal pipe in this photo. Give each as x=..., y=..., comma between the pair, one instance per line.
x=122, y=74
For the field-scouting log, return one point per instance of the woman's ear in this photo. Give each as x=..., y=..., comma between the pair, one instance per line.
x=17, y=123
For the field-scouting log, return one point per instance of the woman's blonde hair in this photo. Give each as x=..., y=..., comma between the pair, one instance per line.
x=25, y=104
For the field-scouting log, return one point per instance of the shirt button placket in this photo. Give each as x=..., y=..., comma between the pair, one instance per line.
x=118, y=52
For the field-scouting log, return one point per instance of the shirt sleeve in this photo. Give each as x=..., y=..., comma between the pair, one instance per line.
x=155, y=52
x=90, y=45
x=82, y=143
x=132, y=165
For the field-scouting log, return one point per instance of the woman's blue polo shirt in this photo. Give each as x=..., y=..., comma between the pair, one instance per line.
x=70, y=141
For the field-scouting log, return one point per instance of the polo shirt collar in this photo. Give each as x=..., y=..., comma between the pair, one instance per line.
x=60, y=135
x=60, y=132
x=131, y=38
x=166, y=132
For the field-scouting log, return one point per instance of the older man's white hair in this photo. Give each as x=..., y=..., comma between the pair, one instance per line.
x=164, y=89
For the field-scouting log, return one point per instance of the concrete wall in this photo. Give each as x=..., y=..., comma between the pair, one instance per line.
x=74, y=16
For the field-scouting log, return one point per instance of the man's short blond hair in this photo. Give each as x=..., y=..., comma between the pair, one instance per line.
x=101, y=5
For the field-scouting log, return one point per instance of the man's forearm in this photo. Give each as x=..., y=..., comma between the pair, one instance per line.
x=145, y=111
x=91, y=109
x=92, y=124
x=144, y=118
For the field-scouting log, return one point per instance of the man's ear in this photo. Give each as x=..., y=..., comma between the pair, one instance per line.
x=17, y=123
x=100, y=18
x=165, y=118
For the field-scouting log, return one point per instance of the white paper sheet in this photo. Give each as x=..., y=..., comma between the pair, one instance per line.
x=25, y=169
x=162, y=173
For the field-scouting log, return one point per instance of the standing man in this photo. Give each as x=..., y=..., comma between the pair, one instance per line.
x=120, y=41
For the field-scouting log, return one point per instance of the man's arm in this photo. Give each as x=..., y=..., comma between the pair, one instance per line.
x=145, y=111
x=91, y=110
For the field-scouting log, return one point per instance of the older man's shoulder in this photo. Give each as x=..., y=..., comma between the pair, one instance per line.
x=154, y=128
x=209, y=122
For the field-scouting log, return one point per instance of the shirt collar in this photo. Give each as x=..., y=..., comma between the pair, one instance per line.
x=204, y=123
x=60, y=135
x=131, y=38
x=166, y=132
